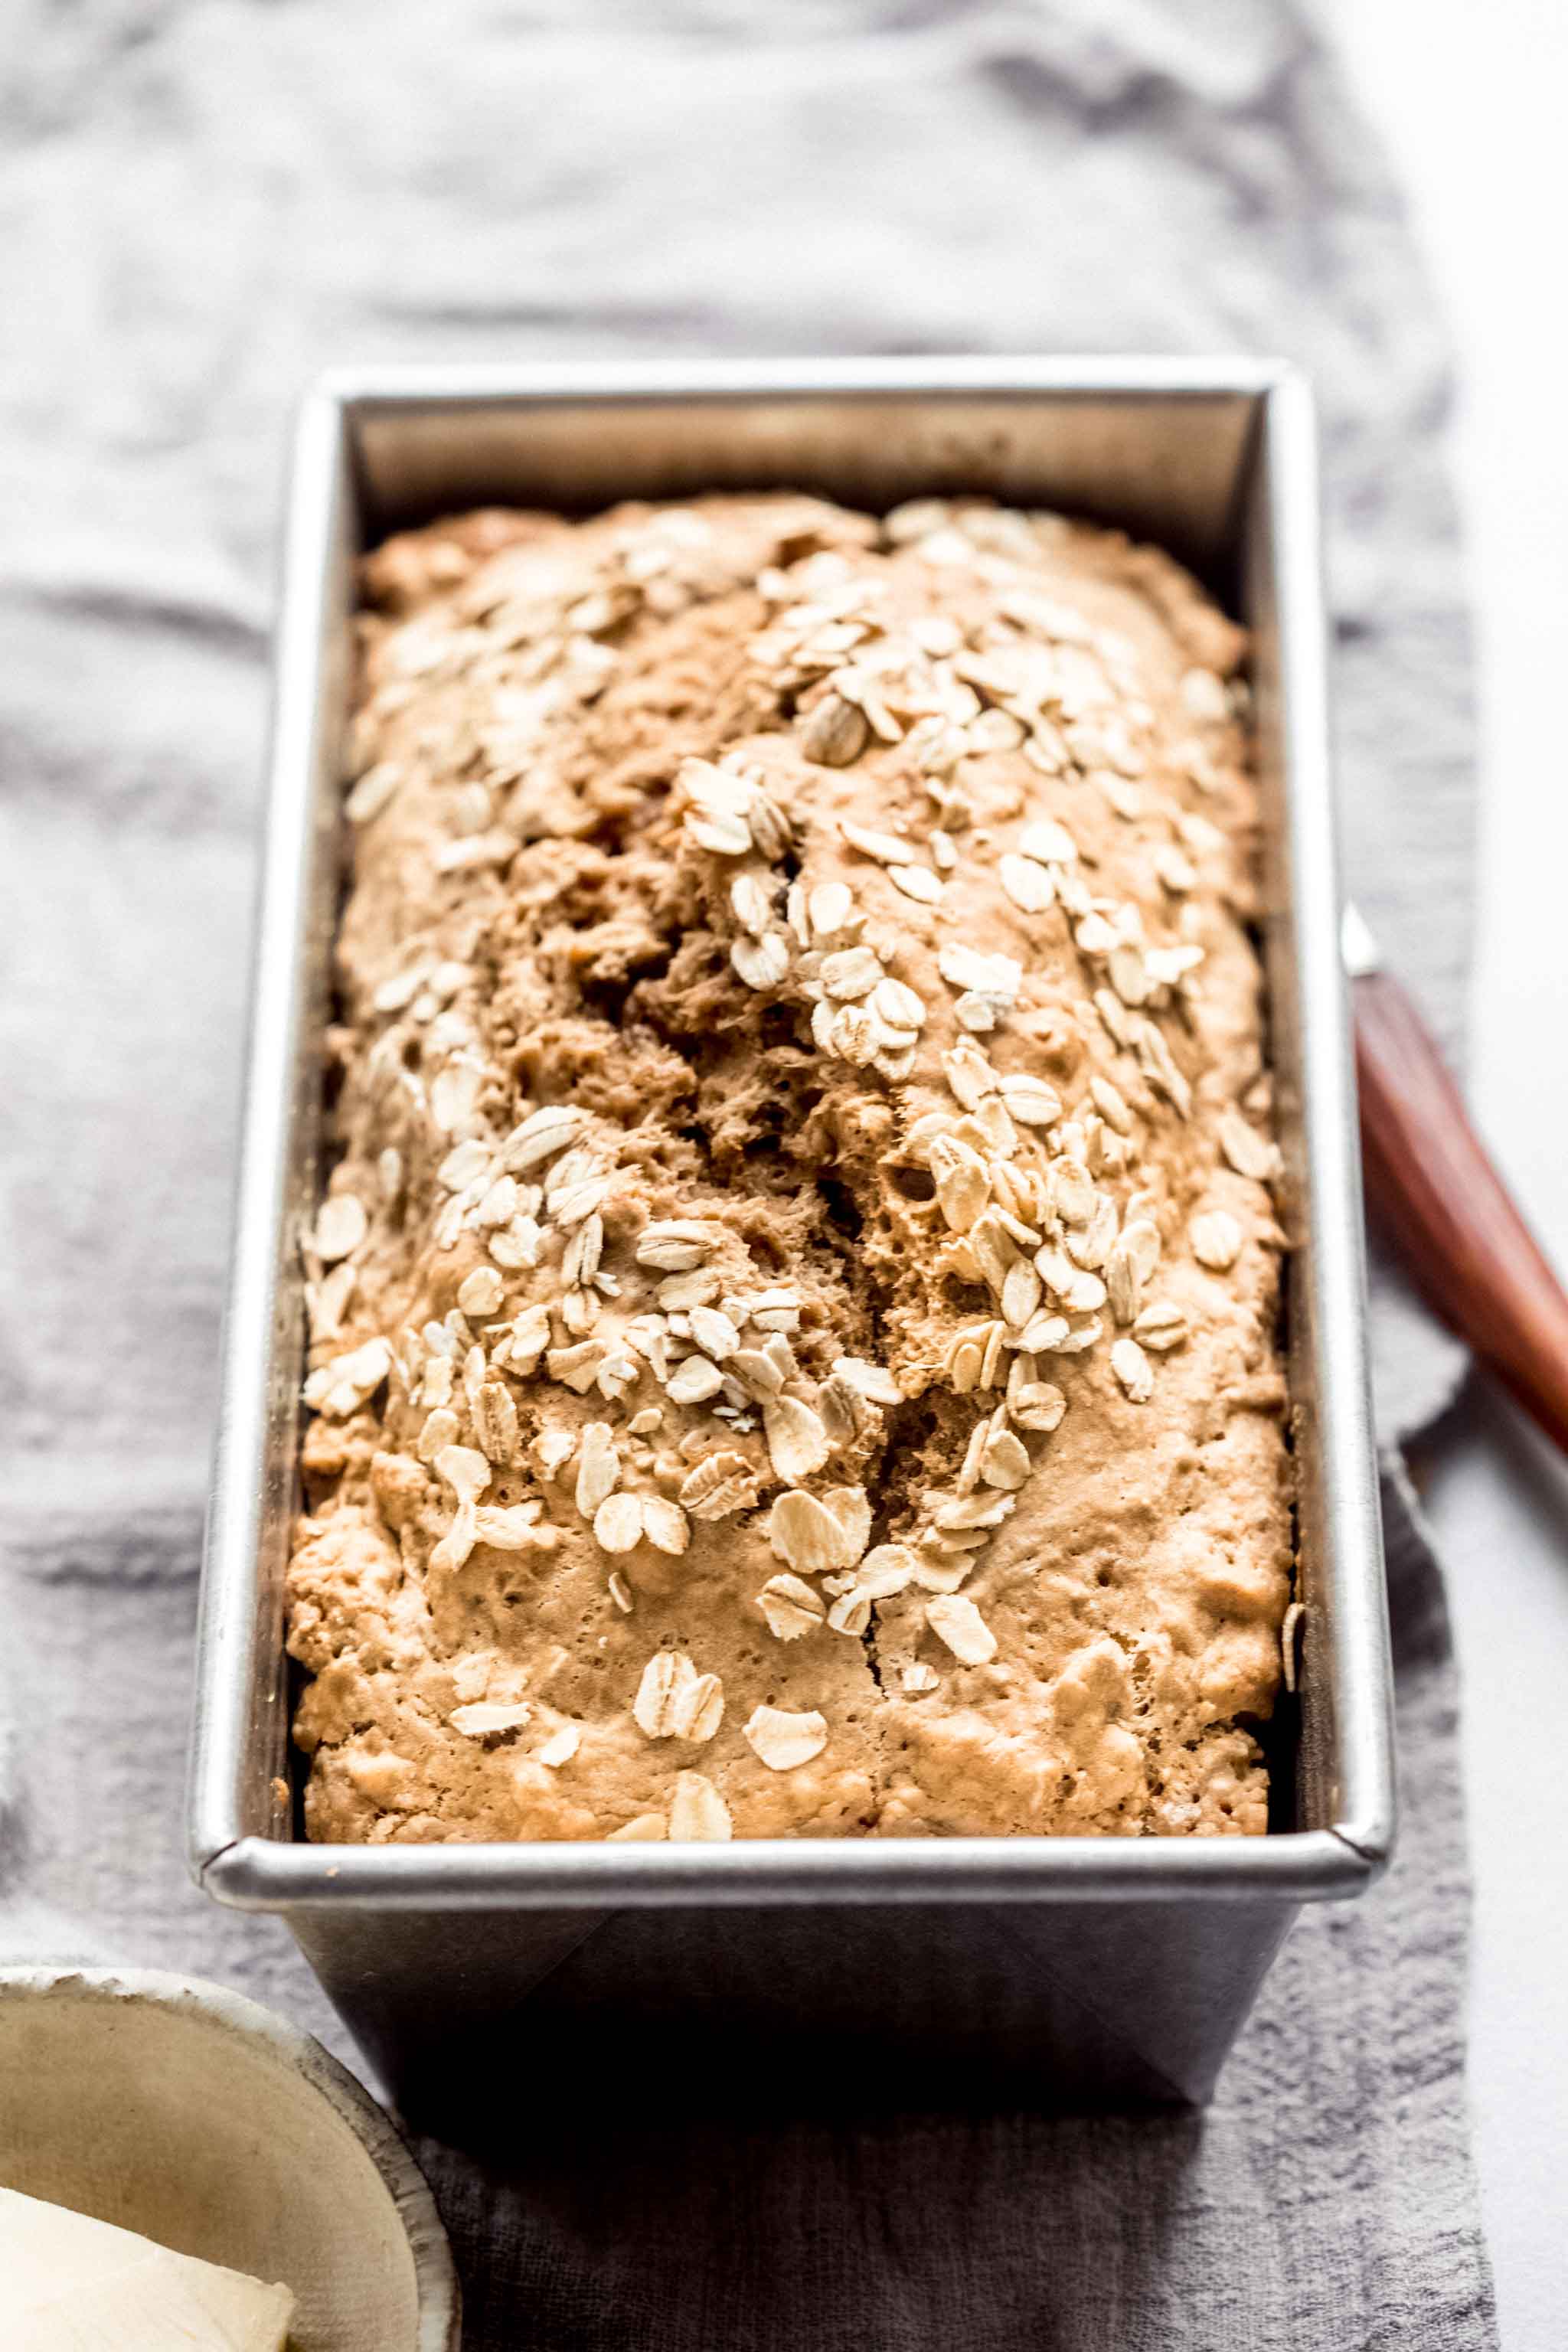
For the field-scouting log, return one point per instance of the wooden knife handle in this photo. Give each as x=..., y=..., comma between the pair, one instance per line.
x=1444, y=1204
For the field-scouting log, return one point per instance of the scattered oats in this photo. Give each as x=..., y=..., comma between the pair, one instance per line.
x=1047, y=844
x=327, y=1301
x=966, y=968
x=714, y=1333
x=957, y=1513
x=853, y=1035
x=1202, y=838
x=1160, y=1326
x=885, y=847
x=828, y=910
x=1168, y=967
x=918, y=882
x=784, y=1738
x=552, y=1450
x=835, y=733
x=598, y=1468
x=761, y=962
x=648, y=1829
x=644, y=1423
x=1094, y=937
x=798, y=1442
x=1080, y=1340
x=943, y=852
x=576, y=1201
x=1004, y=1460
x=467, y=1472
x=1114, y=1015
x=1205, y=696
x=969, y=1074
x=752, y=904
x=698, y=1813
x=620, y=1592
x=455, y=1092
x=680, y=1292
x=956, y=1620
x=678, y=1244
x=341, y=1226
x=917, y=1679
x=1126, y=799
x=718, y=830
x=517, y=1528
x=994, y=730
x=852, y=1509
x=541, y=1136
x=530, y=1338
x=373, y=791
x=665, y=1525
x=1030, y=1100
x=772, y=1310
x=896, y=1006
x=1038, y=1406
x=577, y=1367
x=849, y=973
x=559, y=1748
x=342, y=1385
x=484, y=1718
x=401, y=989
x=1133, y=1370
x=1111, y=1105
x=1175, y=870
x=481, y=1292
x=980, y=1014
x=962, y=1182
x=518, y=1245
x=1216, y=1237
x=1020, y=1295
x=1249, y=1153
x=441, y=1428
x=1130, y=975
x=667, y=1677
x=693, y=1381
x=790, y=1607
x=1124, y=1286
x=583, y=1251
x=498, y=1203
x=1075, y=1196
x=721, y=1483
x=1140, y=1236
x=1289, y=1643
x=881, y=1574
x=772, y=831
x=1029, y=886
x=1046, y=1335
x=697, y=1708
x=873, y=1382
x=495, y=1421
x=806, y=1535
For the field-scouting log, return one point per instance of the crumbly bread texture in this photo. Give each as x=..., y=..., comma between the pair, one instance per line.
x=794, y=1311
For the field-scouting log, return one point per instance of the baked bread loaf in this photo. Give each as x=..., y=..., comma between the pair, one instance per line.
x=794, y=1315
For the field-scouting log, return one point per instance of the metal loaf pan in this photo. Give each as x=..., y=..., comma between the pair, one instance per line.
x=1066, y=1970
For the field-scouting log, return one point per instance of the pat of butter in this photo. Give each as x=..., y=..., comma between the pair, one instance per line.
x=71, y=2284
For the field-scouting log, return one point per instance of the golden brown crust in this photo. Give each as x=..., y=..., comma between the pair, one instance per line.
x=794, y=1317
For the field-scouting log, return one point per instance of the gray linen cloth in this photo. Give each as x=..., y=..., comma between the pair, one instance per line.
x=205, y=202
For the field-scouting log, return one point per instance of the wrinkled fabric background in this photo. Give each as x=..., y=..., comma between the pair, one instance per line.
x=203, y=203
